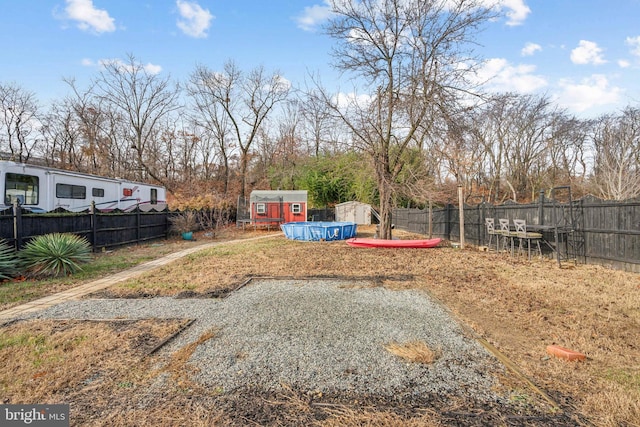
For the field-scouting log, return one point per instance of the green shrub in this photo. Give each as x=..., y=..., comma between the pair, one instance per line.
x=8, y=260
x=55, y=254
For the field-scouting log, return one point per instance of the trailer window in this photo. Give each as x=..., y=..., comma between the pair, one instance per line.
x=23, y=188
x=154, y=196
x=68, y=191
x=97, y=192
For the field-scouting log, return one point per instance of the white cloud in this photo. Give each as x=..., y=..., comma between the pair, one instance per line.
x=149, y=68
x=89, y=18
x=152, y=68
x=351, y=99
x=278, y=84
x=587, y=53
x=530, y=48
x=313, y=16
x=195, y=20
x=517, y=11
x=623, y=63
x=634, y=42
x=591, y=92
x=498, y=75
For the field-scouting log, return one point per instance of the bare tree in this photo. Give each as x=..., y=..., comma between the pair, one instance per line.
x=288, y=143
x=516, y=136
x=410, y=56
x=491, y=133
x=209, y=97
x=143, y=100
x=213, y=151
x=62, y=137
x=616, y=142
x=317, y=123
x=244, y=100
x=19, y=122
x=527, y=141
x=567, y=151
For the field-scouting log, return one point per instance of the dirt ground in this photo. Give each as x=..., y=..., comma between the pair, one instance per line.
x=518, y=306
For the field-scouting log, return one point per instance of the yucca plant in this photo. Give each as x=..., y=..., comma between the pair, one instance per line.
x=8, y=260
x=55, y=254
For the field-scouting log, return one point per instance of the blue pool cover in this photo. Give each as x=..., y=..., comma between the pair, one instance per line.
x=316, y=230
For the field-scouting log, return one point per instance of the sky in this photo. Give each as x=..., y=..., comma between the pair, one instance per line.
x=583, y=54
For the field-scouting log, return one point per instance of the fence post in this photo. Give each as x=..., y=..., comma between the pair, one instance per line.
x=541, y=208
x=461, y=214
x=430, y=219
x=17, y=226
x=167, y=223
x=138, y=223
x=94, y=232
x=482, y=235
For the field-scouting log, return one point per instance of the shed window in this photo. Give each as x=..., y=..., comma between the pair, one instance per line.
x=97, y=192
x=296, y=208
x=68, y=191
x=261, y=208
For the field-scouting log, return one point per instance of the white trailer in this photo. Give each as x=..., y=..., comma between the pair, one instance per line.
x=43, y=189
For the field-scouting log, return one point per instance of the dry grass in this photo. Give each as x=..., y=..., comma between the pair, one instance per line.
x=103, y=369
x=413, y=351
x=178, y=364
x=518, y=306
x=49, y=360
x=15, y=292
x=347, y=417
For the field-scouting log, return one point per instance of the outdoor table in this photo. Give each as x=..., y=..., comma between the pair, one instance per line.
x=548, y=234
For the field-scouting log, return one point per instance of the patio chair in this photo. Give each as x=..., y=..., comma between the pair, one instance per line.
x=524, y=235
x=491, y=231
x=506, y=235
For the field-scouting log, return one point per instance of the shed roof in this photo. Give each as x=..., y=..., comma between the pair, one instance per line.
x=353, y=202
x=275, y=195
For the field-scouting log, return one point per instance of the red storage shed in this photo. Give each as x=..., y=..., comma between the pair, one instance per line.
x=274, y=207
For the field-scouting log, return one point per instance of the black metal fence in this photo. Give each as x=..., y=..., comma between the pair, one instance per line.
x=324, y=214
x=604, y=232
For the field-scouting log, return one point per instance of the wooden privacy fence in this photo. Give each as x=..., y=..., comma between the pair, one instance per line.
x=601, y=232
x=102, y=230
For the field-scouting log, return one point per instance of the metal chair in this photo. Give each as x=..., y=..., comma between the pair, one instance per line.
x=522, y=234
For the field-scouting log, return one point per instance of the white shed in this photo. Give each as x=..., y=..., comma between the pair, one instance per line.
x=357, y=212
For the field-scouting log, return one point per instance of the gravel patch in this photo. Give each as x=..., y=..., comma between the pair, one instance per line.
x=318, y=336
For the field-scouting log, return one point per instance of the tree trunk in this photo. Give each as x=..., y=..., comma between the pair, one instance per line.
x=385, y=208
x=243, y=173
x=226, y=174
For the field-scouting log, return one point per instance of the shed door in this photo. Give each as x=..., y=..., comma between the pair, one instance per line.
x=274, y=210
